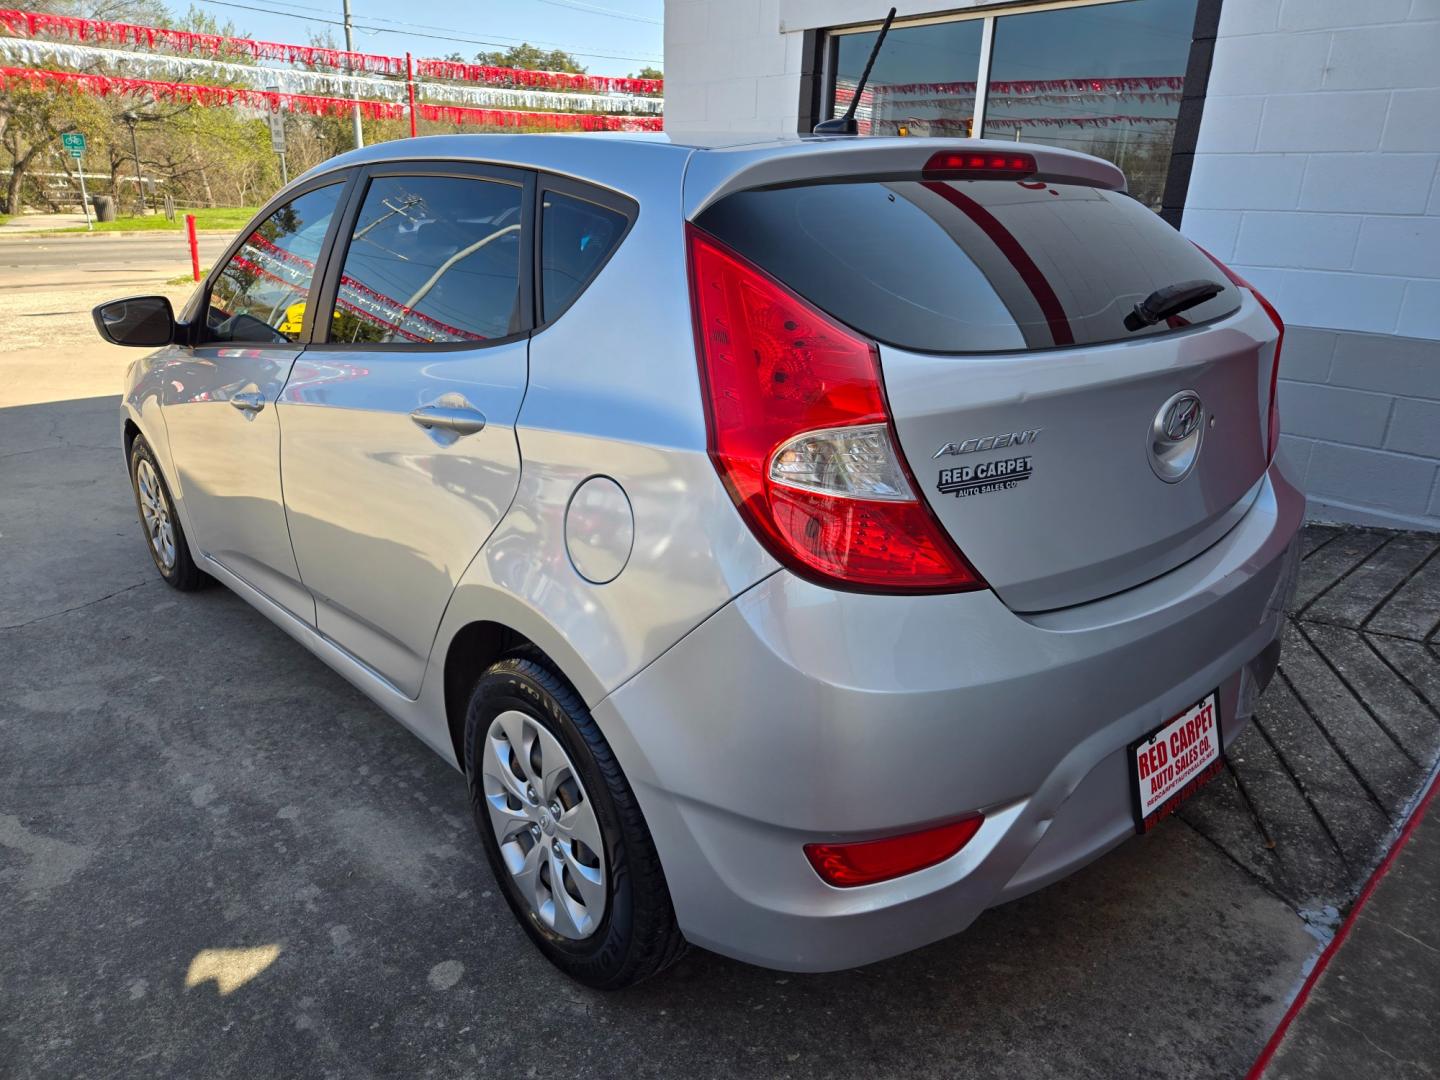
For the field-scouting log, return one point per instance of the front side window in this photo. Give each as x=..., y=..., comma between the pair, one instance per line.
x=259, y=296
x=432, y=259
x=576, y=237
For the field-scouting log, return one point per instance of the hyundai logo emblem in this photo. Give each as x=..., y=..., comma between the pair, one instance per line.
x=1175, y=436
x=1182, y=416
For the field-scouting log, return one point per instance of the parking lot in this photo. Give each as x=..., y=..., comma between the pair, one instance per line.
x=216, y=858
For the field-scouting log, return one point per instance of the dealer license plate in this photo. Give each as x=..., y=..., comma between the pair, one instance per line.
x=1173, y=761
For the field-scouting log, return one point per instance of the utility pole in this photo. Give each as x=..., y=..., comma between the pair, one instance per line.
x=131, y=119
x=354, y=109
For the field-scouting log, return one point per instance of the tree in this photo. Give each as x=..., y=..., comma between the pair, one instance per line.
x=648, y=72
x=32, y=121
x=175, y=141
x=532, y=58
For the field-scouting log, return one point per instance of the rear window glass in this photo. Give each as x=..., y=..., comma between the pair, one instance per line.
x=969, y=266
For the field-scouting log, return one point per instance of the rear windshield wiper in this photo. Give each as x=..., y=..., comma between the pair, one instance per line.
x=1170, y=300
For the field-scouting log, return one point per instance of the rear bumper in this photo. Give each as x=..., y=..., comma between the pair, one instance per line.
x=797, y=713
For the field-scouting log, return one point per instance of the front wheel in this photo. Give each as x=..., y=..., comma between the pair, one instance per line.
x=564, y=834
x=163, y=533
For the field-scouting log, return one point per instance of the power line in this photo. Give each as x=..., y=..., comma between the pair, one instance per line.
x=446, y=36
x=596, y=9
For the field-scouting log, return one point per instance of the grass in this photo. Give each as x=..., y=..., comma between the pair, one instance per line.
x=229, y=218
x=186, y=279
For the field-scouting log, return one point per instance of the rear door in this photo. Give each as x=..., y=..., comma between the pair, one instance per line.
x=400, y=454
x=1069, y=455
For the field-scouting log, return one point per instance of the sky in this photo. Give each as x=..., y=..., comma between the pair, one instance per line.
x=609, y=37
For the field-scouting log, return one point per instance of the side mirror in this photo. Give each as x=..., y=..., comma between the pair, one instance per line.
x=146, y=322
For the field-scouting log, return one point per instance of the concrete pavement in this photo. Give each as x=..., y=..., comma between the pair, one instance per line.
x=217, y=858
x=1371, y=1011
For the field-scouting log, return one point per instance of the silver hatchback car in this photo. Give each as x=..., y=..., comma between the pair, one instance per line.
x=800, y=544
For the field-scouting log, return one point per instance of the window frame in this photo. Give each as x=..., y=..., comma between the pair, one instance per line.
x=199, y=306
x=511, y=176
x=584, y=192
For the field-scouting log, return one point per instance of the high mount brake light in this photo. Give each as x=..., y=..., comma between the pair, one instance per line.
x=1272, y=419
x=978, y=165
x=870, y=861
x=800, y=433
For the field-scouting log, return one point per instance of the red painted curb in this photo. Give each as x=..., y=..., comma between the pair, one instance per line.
x=1339, y=939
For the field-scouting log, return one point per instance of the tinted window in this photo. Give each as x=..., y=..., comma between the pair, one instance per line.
x=576, y=237
x=1105, y=80
x=432, y=259
x=976, y=266
x=259, y=297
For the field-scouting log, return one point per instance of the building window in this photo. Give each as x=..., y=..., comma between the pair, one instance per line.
x=923, y=82
x=1102, y=78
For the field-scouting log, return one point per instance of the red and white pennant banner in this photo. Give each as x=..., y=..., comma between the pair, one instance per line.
x=1121, y=84
x=103, y=32
x=36, y=23
x=317, y=105
x=51, y=55
x=553, y=80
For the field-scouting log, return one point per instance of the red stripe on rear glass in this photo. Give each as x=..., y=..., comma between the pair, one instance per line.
x=1013, y=250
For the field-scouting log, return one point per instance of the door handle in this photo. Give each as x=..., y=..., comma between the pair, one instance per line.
x=462, y=421
x=251, y=401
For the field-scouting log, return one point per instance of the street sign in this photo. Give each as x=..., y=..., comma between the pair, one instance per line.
x=74, y=142
x=277, y=131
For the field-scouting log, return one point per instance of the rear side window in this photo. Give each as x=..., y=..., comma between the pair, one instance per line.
x=432, y=259
x=969, y=266
x=576, y=237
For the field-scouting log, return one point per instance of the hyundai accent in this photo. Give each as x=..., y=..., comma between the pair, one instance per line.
x=801, y=545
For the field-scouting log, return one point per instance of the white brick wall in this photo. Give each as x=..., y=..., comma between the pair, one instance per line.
x=728, y=67
x=1317, y=167
x=1317, y=176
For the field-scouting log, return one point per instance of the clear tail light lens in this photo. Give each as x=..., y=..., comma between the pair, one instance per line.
x=855, y=462
x=801, y=435
x=1272, y=420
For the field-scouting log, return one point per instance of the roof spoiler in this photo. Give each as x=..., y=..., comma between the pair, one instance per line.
x=713, y=174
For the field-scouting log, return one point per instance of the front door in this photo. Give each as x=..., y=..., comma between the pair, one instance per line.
x=219, y=396
x=399, y=456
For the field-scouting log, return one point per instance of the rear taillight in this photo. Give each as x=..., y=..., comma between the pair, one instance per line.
x=801, y=436
x=1272, y=420
x=869, y=861
x=979, y=165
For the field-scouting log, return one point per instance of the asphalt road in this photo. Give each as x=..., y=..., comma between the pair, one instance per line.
x=103, y=260
x=218, y=859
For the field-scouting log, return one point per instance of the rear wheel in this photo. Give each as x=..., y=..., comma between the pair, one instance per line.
x=564, y=834
x=163, y=533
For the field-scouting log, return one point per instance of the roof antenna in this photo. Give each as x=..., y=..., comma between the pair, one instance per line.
x=845, y=125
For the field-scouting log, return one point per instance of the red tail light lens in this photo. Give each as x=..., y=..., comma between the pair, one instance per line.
x=801, y=437
x=869, y=861
x=978, y=165
x=1272, y=422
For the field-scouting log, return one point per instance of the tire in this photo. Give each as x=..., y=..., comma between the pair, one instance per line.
x=637, y=936
x=169, y=550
